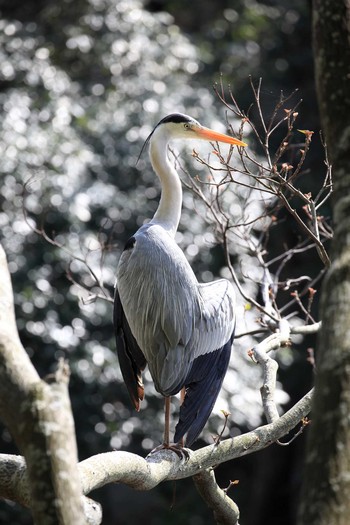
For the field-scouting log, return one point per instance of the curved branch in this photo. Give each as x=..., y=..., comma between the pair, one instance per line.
x=14, y=487
x=224, y=509
x=146, y=473
x=143, y=474
x=307, y=329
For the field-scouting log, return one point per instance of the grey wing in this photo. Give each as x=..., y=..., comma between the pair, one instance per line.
x=159, y=294
x=173, y=318
x=131, y=359
x=216, y=321
x=209, y=311
x=212, y=341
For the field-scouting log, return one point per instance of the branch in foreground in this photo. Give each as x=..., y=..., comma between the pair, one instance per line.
x=38, y=415
x=14, y=487
x=144, y=474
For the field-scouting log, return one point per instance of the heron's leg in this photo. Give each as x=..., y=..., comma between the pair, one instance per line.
x=182, y=395
x=167, y=421
x=182, y=399
x=175, y=447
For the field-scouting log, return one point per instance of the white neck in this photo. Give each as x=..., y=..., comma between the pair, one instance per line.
x=169, y=209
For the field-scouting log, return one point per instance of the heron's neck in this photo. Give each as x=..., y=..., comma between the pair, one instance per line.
x=169, y=209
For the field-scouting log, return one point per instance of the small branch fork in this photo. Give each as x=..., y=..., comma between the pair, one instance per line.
x=259, y=353
x=225, y=510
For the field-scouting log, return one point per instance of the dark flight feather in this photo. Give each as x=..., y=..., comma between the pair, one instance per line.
x=131, y=360
x=203, y=385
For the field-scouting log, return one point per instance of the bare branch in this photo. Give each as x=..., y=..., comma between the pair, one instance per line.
x=14, y=487
x=304, y=423
x=98, y=281
x=270, y=367
x=144, y=474
x=306, y=329
x=224, y=509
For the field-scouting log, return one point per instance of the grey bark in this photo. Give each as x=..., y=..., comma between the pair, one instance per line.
x=39, y=417
x=326, y=490
x=225, y=510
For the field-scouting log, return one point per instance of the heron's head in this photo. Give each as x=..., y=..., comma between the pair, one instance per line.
x=180, y=126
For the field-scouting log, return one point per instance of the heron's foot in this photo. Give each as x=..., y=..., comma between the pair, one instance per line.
x=178, y=448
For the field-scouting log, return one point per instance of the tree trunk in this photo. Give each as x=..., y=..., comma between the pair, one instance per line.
x=326, y=490
x=38, y=414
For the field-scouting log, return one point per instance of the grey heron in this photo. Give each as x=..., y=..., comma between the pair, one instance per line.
x=164, y=318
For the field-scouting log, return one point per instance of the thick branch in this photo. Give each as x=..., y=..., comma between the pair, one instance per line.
x=14, y=487
x=144, y=474
x=38, y=416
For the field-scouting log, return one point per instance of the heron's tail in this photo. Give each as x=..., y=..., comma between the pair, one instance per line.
x=203, y=385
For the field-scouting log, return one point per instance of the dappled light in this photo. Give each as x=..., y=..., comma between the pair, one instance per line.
x=72, y=157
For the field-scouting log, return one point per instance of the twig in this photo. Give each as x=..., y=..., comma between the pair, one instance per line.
x=304, y=423
x=74, y=257
x=218, y=438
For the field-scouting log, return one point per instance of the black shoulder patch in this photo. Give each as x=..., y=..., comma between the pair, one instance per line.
x=130, y=243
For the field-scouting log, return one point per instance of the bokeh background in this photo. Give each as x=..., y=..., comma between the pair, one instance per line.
x=82, y=83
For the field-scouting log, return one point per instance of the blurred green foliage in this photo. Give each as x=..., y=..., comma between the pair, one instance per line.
x=81, y=85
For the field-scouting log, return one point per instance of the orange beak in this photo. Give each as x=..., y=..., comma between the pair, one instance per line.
x=209, y=134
